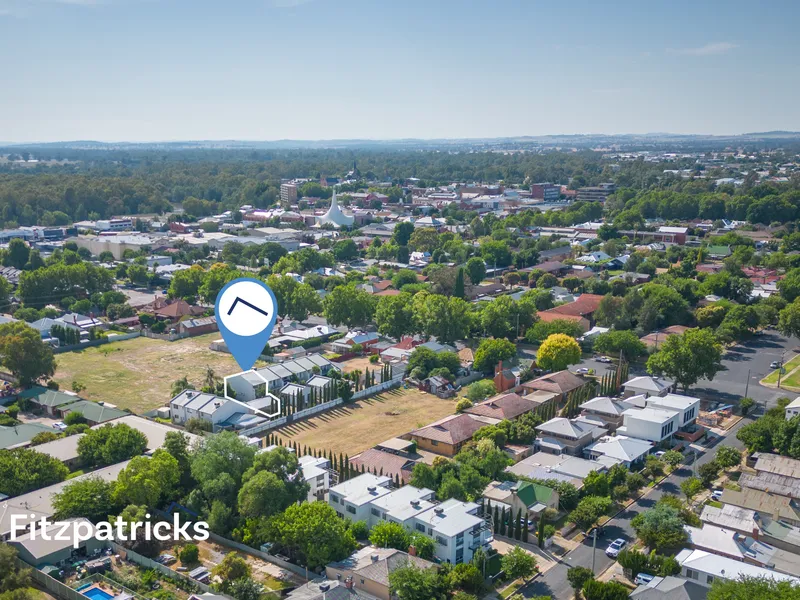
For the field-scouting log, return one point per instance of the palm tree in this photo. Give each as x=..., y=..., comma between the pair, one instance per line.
x=211, y=377
x=180, y=385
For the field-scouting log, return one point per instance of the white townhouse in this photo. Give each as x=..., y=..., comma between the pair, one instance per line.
x=352, y=499
x=650, y=423
x=317, y=473
x=401, y=506
x=457, y=529
x=255, y=383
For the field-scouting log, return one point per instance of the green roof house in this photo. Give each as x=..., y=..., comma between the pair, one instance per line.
x=718, y=252
x=94, y=412
x=47, y=400
x=531, y=498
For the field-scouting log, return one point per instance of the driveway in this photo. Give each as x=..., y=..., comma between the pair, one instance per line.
x=554, y=582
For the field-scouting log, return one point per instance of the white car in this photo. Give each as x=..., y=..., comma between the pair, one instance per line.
x=775, y=364
x=60, y=425
x=643, y=579
x=716, y=495
x=581, y=371
x=615, y=547
x=603, y=359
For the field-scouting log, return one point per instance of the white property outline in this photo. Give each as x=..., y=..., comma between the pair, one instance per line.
x=266, y=388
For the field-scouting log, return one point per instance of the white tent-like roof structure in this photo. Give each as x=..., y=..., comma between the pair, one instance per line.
x=335, y=216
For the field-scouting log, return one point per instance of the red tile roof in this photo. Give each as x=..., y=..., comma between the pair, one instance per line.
x=561, y=382
x=391, y=465
x=505, y=406
x=586, y=304
x=454, y=429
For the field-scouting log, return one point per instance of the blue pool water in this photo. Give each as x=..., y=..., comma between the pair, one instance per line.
x=96, y=593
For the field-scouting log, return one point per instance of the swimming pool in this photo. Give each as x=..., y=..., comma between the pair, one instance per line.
x=95, y=593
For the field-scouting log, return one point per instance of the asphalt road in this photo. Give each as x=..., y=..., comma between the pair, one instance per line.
x=554, y=582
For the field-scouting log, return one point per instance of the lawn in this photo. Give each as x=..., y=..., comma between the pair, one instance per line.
x=791, y=364
x=353, y=428
x=137, y=374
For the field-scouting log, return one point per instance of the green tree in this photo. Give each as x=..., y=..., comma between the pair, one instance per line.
x=617, y=342
x=728, y=457
x=345, y=250
x=745, y=404
x=687, y=358
x=189, y=554
x=410, y=582
x=110, y=444
x=491, y=351
x=393, y=315
x=578, y=576
x=691, y=487
x=518, y=564
x=312, y=533
x=390, y=535
x=232, y=568
x=598, y=590
x=263, y=496
x=557, y=352
x=402, y=233
x=147, y=481
x=480, y=390
x=541, y=330
x=89, y=497
x=24, y=354
x=476, y=268
x=753, y=588
x=660, y=527
x=458, y=291
x=789, y=319
x=347, y=305
x=596, y=484
x=589, y=509
x=23, y=470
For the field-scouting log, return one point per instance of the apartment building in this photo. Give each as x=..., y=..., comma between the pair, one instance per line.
x=288, y=193
x=317, y=473
x=457, y=529
x=401, y=506
x=352, y=499
x=549, y=192
x=565, y=436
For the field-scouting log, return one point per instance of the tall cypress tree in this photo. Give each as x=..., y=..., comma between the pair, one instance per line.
x=458, y=290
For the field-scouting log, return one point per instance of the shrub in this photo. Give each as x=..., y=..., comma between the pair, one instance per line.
x=463, y=404
x=374, y=359
x=360, y=530
x=74, y=418
x=189, y=554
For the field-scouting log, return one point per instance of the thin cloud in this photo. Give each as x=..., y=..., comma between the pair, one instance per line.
x=288, y=3
x=710, y=49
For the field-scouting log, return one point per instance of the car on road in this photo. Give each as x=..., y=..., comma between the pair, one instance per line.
x=581, y=371
x=775, y=364
x=615, y=547
x=60, y=425
x=643, y=579
x=716, y=495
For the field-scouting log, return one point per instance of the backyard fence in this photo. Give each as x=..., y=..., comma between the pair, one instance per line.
x=98, y=342
x=53, y=586
x=296, y=569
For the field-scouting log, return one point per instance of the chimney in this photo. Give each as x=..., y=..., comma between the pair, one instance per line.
x=375, y=558
x=412, y=551
x=499, y=368
x=348, y=583
x=756, y=532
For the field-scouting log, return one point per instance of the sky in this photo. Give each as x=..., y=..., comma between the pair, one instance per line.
x=154, y=70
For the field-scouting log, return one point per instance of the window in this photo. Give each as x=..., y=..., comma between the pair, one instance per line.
x=709, y=579
x=441, y=541
x=459, y=555
x=362, y=582
x=434, y=443
x=421, y=527
x=351, y=510
x=375, y=512
x=690, y=574
x=334, y=498
x=460, y=539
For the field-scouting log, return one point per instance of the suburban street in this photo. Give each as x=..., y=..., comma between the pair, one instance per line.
x=748, y=360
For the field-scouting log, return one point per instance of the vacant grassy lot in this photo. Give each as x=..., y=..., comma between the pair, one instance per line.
x=137, y=374
x=356, y=427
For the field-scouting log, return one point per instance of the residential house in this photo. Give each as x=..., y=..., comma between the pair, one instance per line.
x=401, y=506
x=605, y=409
x=51, y=547
x=351, y=499
x=327, y=589
x=45, y=400
x=437, y=385
x=779, y=507
x=564, y=436
x=353, y=338
x=317, y=474
x=627, y=450
x=21, y=435
x=504, y=379
x=530, y=498
x=775, y=474
x=560, y=383
x=398, y=466
x=190, y=404
x=703, y=568
x=553, y=467
x=669, y=588
x=793, y=409
x=503, y=406
x=457, y=528
x=256, y=383
x=652, y=340
x=650, y=423
x=200, y=326
x=447, y=436
x=95, y=413
x=176, y=310
x=368, y=569
x=646, y=386
x=583, y=309
x=742, y=548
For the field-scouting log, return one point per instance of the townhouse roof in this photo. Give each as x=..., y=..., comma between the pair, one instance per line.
x=529, y=493
x=20, y=435
x=194, y=400
x=504, y=406
x=451, y=517
x=453, y=429
x=673, y=401
x=363, y=489
x=650, y=414
x=405, y=502
x=620, y=447
x=730, y=517
x=649, y=384
x=566, y=428
x=605, y=406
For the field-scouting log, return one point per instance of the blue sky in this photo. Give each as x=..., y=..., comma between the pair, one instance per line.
x=142, y=70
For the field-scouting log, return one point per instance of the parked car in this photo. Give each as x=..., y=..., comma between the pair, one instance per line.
x=775, y=364
x=716, y=495
x=660, y=453
x=615, y=547
x=603, y=359
x=60, y=425
x=643, y=579
x=581, y=371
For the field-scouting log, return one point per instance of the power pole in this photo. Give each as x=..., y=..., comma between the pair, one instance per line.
x=594, y=546
x=747, y=384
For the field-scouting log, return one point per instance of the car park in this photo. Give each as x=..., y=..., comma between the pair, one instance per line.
x=615, y=547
